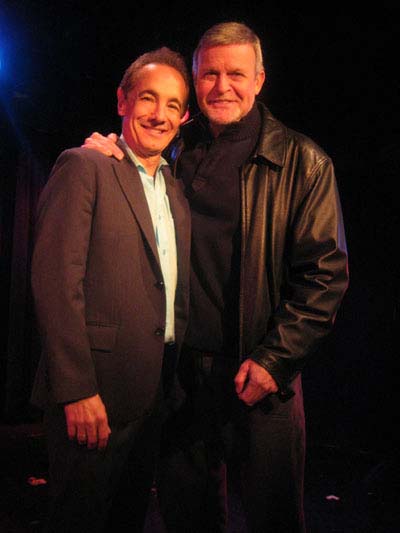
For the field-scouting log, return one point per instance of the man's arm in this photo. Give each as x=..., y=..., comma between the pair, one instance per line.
x=59, y=261
x=317, y=279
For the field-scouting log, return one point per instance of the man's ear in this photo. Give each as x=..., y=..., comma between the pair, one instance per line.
x=185, y=116
x=260, y=78
x=121, y=102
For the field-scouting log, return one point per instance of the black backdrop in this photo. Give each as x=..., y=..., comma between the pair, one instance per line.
x=331, y=76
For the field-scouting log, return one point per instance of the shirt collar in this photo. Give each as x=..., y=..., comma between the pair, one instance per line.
x=134, y=158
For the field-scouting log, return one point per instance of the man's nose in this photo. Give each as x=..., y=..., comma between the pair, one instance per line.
x=159, y=112
x=222, y=83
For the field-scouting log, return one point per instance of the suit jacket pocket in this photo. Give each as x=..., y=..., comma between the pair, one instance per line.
x=102, y=337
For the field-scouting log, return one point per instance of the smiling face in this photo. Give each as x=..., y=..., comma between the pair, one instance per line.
x=227, y=83
x=152, y=111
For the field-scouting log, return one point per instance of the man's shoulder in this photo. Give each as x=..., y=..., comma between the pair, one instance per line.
x=284, y=142
x=76, y=167
x=80, y=155
x=306, y=143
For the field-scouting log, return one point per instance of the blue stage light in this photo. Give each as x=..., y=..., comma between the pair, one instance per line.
x=1, y=60
x=9, y=38
x=3, y=55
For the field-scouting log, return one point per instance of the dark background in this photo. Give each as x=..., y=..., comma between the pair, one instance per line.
x=331, y=75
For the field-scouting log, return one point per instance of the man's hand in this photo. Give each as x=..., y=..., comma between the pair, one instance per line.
x=253, y=382
x=87, y=422
x=105, y=145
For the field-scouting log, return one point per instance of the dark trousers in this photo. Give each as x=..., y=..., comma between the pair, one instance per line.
x=95, y=491
x=99, y=491
x=215, y=434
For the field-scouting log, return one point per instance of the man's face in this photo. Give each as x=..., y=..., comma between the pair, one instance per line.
x=152, y=110
x=226, y=83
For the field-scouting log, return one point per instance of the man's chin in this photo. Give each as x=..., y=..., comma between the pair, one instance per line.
x=156, y=149
x=220, y=120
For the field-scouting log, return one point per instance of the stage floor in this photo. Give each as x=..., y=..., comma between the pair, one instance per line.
x=347, y=491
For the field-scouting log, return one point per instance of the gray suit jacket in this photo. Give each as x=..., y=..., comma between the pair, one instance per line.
x=98, y=287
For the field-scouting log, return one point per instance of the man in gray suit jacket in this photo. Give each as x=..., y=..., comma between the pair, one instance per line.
x=110, y=284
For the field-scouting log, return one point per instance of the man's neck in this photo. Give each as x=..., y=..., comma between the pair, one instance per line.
x=217, y=129
x=150, y=163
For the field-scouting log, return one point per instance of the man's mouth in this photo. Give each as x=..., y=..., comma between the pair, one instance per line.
x=153, y=130
x=221, y=102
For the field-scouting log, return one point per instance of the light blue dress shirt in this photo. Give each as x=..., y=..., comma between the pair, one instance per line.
x=164, y=231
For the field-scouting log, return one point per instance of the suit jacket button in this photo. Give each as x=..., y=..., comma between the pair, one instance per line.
x=159, y=284
x=159, y=332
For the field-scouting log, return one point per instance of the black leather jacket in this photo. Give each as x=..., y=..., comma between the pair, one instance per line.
x=293, y=259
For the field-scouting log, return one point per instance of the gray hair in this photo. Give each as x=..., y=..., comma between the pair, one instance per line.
x=226, y=33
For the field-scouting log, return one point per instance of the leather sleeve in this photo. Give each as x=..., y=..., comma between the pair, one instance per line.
x=314, y=281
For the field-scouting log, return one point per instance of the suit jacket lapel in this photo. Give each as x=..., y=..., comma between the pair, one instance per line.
x=131, y=184
x=179, y=210
x=181, y=214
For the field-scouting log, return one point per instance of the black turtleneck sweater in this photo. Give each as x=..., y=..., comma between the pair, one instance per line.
x=211, y=173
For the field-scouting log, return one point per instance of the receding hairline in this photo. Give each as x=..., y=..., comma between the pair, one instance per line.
x=162, y=56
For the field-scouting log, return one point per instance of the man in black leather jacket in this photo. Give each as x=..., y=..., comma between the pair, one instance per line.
x=269, y=270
